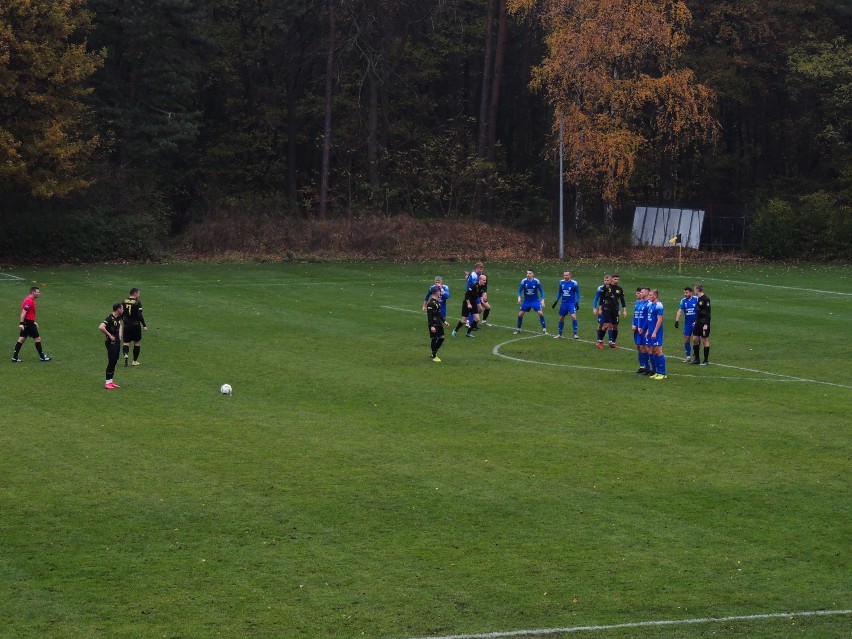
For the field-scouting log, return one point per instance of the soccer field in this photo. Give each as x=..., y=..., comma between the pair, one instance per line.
x=351, y=487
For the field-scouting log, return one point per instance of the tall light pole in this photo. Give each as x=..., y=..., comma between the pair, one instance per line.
x=561, y=190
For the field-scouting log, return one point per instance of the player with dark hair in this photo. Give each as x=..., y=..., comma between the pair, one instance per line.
x=701, y=328
x=134, y=324
x=596, y=303
x=111, y=327
x=617, y=304
x=436, y=322
x=531, y=298
x=686, y=309
x=29, y=327
x=569, y=292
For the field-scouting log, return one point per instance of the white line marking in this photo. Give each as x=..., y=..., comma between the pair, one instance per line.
x=783, y=378
x=789, y=288
x=8, y=277
x=775, y=377
x=641, y=624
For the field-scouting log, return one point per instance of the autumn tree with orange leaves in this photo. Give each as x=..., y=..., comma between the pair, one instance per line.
x=614, y=76
x=45, y=143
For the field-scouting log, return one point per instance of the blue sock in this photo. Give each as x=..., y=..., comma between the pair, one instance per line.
x=520, y=321
x=543, y=325
x=642, y=360
x=609, y=332
x=574, y=326
x=561, y=327
x=661, y=364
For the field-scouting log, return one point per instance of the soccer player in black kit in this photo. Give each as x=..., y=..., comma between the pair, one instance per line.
x=435, y=322
x=470, y=311
x=111, y=328
x=617, y=295
x=134, y=324
x=701, y=328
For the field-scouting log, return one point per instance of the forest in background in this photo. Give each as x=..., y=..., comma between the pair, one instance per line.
x=126, y=124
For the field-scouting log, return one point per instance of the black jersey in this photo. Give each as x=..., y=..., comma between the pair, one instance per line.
x=702, y=310
x=113, y=325
x=617, y=294
x=132, y=312
x=474, y=293
x=433, y=313
x=607, y=299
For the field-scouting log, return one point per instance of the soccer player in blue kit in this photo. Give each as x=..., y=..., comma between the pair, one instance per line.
x=639, y=325
x=569, y=292
x=530, y=298
x=687, y=308
x=654, y=333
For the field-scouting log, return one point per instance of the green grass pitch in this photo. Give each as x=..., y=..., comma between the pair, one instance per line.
x=351, y=487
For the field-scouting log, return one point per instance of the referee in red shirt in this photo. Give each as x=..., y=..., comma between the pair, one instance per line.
x=29, y=327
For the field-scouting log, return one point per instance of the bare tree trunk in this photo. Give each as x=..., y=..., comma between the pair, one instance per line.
x=500, y=53
x=329, y=89
x=579, y=211
x=494, y=103
x=484, y=101
x=487, y=70
x=609, y=218
x=372, y=135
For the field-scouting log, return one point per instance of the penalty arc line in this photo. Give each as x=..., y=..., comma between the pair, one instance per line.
x=642, y=624
x=784, y=378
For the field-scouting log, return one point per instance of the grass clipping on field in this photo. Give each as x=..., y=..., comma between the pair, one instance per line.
x=390, y=238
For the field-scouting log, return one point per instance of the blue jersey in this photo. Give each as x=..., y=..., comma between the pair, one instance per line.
x=530, y=290
x=568, y=291
x=688, y=306
x=645, y=321
x=598, y=294
x=472, y=278
x=655, y=310
x=445, y=295
x=639, y=314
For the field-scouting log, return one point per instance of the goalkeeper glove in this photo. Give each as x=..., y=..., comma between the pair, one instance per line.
x=677, y=324
x=553, y=305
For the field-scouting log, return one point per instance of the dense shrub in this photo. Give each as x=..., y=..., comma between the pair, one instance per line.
x=815, y=226
x=93, y=235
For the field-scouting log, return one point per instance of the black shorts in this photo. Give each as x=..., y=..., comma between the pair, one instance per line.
x=610, y=316
x=466, y=312
x=439, y=331
x=698, y=330
x=132, y=333
x=30, y=329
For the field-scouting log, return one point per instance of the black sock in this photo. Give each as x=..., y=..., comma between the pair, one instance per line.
x=459, y=325
x=126, y=349
x=17, y=349
x=437, y=345
x=485, y=314
x=473, y=324
x=601, y=335
x=614, y=335
x=39, y=349
x=706, y=353
x=695, y=352
x=136, y=350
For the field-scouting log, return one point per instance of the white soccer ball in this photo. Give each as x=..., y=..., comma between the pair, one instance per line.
x=226, y=389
